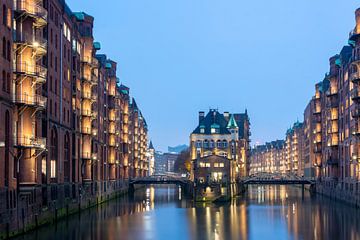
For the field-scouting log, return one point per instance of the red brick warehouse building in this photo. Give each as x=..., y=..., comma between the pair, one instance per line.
x=72, y=135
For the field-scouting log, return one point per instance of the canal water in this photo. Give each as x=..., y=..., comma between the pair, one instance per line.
x=162, y=212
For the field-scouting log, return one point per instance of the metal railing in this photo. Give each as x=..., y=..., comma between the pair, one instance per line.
x=28, y=99
x=86, y=130
x=86, y=155
x=31, y=40
x=30, y=69
x=86, y=77
x=355, y=94
x=31, y=7
x=355, y=112
x=87, y=59
x=355, y=77
x=86, y=94
x=30, y=141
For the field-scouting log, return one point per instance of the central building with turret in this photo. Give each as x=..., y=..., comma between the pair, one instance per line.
x=219, y=152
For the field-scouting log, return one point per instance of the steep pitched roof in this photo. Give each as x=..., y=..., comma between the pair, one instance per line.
x=151, y=145
x=213, y=119
x=232, y=123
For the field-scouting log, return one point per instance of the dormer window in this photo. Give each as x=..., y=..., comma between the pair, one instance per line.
x=202, y=129
x=215, y=128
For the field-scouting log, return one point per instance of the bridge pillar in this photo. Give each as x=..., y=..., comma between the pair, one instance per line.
x=312, y=188
x=131, y=189
x=302, y=191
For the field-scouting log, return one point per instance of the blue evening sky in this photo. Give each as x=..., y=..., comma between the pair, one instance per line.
x=182, y=56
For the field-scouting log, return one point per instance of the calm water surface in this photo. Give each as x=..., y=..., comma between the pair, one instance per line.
x=161, y=212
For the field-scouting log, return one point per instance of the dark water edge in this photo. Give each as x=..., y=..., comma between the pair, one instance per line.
x=162, y=212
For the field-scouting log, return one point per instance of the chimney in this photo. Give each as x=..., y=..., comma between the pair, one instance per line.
x=226, y=116
x=201, y=116
x=357, y=18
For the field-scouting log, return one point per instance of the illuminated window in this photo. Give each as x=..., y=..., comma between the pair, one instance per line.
x=43, y=166
x=221, y=165
x=207, y=165
x=53, y=169
x=202, y=164
x=216, y=164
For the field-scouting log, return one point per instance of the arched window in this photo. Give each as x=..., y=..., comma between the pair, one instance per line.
x=225, y=144
x=206, y=144
x=4, y=80
x=7, y=147
x=212, y=144
x=218, y=144
x=4, y=14
x=198, y=144
x=53, y=153
x=8, y=53
x=4, y=47
x=66, y=157
x=8, y=83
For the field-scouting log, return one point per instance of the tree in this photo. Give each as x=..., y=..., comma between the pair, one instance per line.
x=183, y=162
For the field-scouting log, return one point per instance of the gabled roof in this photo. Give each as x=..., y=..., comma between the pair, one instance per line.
x=151, y=146
x=213, y=119
x=232, y=123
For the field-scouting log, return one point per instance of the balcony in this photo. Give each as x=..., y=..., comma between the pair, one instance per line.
x=37, y=43
x=317, y=109
x=332, y=101
x=86, y=78
x=94, y=131
x=95, y=62
x=86, y=155
x=355, y=113
x=355, y=130
x=355, y=77
x=355, y=157
x=317, y=148
x=94, y=97
x=355, y=94
x=87, y=60
x=30, y=100
x=30, y=142
x=86, y=130
x=317, y=118
x=86, y=95
x=112, y=130
x=94, y=79
x=86, y=113
x=32, y=70
x=94, y=114
x=32, y=9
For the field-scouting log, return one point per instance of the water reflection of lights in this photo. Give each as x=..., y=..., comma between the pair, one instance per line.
x=293, y=208
x=149, y=201
x=179, y=192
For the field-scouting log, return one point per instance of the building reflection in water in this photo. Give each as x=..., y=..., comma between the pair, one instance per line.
x=162, y=212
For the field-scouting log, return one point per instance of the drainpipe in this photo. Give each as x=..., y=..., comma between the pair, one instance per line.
x=61, y=87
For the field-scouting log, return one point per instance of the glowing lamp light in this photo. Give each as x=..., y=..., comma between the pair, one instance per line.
x=36, y=44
